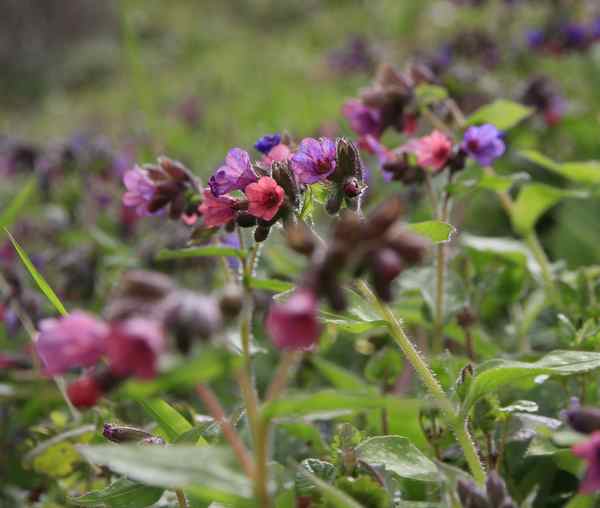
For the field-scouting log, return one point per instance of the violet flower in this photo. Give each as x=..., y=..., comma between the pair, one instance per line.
x=140, y=190
x=363, y=119
x=590, y=452
x=315, y=160
x=265, y=143
x=236, y=174
x=484, y=144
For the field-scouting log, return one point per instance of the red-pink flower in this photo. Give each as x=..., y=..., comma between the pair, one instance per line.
x=133, y=347
x=217, y=211
x=433, y=151
x=279, y=152
x=264, y=198
x=590, y=451
x=75, y=340
x=293, y=324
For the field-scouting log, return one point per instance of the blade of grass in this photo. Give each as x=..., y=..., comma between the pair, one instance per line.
x=11, y=212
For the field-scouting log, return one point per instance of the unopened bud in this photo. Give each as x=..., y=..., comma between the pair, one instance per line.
x=410, y=247
x=245, y=220
x=466, y=317
x=231, y=300
x=300, y=238
x=352, y=188
x=284, y=176
x=123, y=434
x=384, y=216
x=146, y=285
x=261, y=233
x=470, y=495
x=496, y=490
x=348, y=160
x=584, y=419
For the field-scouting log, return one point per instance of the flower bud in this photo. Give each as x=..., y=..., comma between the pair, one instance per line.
x=466, y=317
x=410, y=247
x=261, y=233
x=245, y=220
x=284, y=176
x=231, y=300
x=300, y=238
x=123, y=433
x=146, y=285
x=583, y=419
x=385, y=267
x=352, y=188
x=348, y=161
x=470, y=495
x=382, y=218
x=496, y=490
x=84, y=392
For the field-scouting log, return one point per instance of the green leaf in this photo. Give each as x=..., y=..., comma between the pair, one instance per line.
x=582, y=172
x=534, y=200
x=277, y=286
x=197, y=252
x=169, y=419
x=502, y=113
x=496, y=374
x=123, y=493
x=206, y=471
x=434, y=230
x=335, y=496
x=427, y=94
x=338, y=376
x=23, y=198
x=399, y=455
x=321, y=402
x=37, y=277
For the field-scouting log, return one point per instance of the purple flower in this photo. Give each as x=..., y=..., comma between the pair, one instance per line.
x=140, y=190
x=590, y=452
x=363, y=119
x=535, y=38
x=293, y=324
x=236, y=174
x=267, y=142
x=76, y=340
x=314, y=160
x=575, y=36
x=483, y=143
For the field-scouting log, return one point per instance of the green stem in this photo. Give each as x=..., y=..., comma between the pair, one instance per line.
x=533, y=242
x=458, y=425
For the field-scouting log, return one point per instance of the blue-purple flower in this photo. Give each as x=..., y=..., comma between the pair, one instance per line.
x=267, y=142
x=363, y=119
x=484, y=144
x=236, y=174
x=140, y=190
x=314, y=161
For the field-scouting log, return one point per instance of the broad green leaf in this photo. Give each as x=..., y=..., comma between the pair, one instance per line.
x=197, y=252
x=123, y=493
x=277, y=286
x=338, y=376
x=534, y=200
x=169, y=419
x=502, y=113
x=23, y=198
x=321, y=402
x=434, y=230
x=582, y=172
x=37, y=277
x=427, y=94
x=204, y=469
x=323, y=470
x=475, y=177
x=359, y=317
x=57, y=460
x=399, y=455
x=335, y=496
x=496, y=374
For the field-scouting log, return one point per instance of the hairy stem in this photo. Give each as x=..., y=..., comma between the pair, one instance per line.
x=181, y=499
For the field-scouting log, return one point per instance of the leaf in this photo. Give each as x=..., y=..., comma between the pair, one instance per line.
x=335, y=496
x=123, y=493
x=502, y=113
x=319, y=402
x=169, y=419
x=57, y=460
x=325, y=471
x=434, y=230
x=427, y=94
x=204, y=469
x=583, y=172
x=359, y=317
x=399, y=455
x=496, y=374
x=277, y=286
x=197, y=252
x=338, y=376
x=24, y=197
x=37, y=277
x=534, y=200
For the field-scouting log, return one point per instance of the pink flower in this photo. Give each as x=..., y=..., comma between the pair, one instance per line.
x=133, y=347
x=217, y=211
x=590, y=452
x=264, y=198
x=279, y=152
x=140, y=190
x=76, y=340
x=293, y=324
x=434, y=150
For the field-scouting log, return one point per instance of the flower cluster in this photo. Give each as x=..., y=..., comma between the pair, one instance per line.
x=567, y=37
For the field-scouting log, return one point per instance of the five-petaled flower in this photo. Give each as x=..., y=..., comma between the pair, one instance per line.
x=315, y=160
x=217, y=211
x=433, y=151
x=267, y=142
x=264, y=198
x=484, y=144
x=236, y=174
x=140, y=190
x=590, y=451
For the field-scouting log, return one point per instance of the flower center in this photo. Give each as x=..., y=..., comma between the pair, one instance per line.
x=270, y=199
x=323, y=166
x=441, y=152
x=473, y=145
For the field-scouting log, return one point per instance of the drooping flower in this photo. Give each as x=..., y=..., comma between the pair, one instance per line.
x=267, y=142
x=84, y=392
x=264, y=198
x=293, y=324
x=363, y=119
x=140, y=190
x=75, y=340
x=236, y=174
x=433, y=151
x=483, y=143
x=133, y=347
x=315, y=160
x=217, y=211
x=279, y=152
x=590, y=452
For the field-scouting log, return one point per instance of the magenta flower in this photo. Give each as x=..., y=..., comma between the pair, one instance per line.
x=590, y=452
x=264, y=198
x=217, y=211
x=133, y=347
x=293, y=324
x=279, y=152
x=314, y=160
x=236, y=174
x=363, y=119
x=75, y=340
x=140, y=190
x=483, y=143
x=433, y=151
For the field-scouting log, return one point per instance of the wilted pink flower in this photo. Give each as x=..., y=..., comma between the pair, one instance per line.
x=140, y=190
x=217, y=211
x=590, y=452
x=236, y=174
x=75, y=340
x=434, y=150
x=315, y=160
x=363, y=119
x=264, y=198
x=293, y=324
x=133, y=347
x=279, y=152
